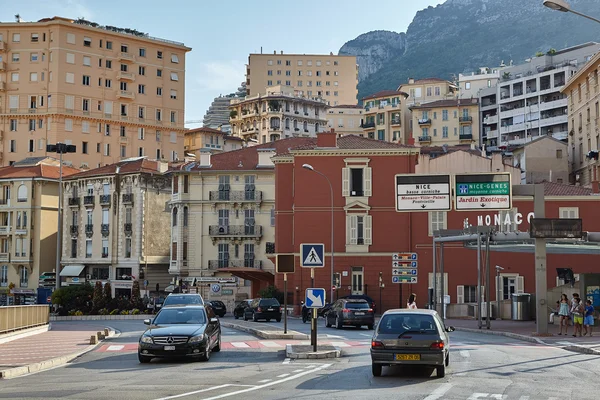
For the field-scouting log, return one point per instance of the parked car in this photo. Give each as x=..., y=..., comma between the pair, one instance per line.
x=238, y=311
x=182, y=299
x=363, y=297
x=266, y=309
x=218, y=307
x=411, y=337
x=355, y=312
x=181, y=331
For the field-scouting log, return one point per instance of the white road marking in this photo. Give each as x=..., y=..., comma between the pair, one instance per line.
x=265, y=381
x=335, y=336
x=270, y=344
x=305, y=342
x=439, y=392
x=464, y=353
x=366, y=334
x=195, y=392
x=476, y=396
x=286, y=361
x=283, y=375
x=497, y=396
x=114, y=347
x=297, y=370
x=251, y=389
x=524, y=398
x=340, y=344
x=565, y=343
x=239, y=344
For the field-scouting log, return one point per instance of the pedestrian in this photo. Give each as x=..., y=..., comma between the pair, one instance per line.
x=563, y=312
x=412, y=305
x=554, y=312
x=577, y=312
x=588, y=320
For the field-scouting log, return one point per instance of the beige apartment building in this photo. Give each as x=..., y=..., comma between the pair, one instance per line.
x=28, y=225
x=583, y=93
x=471, y=85
x=280, y=112
x=331, y=77
x=115, y=226
x=383, y=113
x=113, y=93
x=448, y=122
x=214, y=140
x=543, y=159
x=345, y=119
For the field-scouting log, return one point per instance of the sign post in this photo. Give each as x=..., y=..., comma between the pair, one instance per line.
x=315, y=299
x=284, y=264
x=312, y=256
x=404, y=270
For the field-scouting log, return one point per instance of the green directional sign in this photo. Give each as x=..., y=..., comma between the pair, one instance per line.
x=482, y=192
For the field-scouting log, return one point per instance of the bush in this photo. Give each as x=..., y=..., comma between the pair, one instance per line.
x=136, y=299
x=98, y=300
x=74, y=297
x=78, y=313
x=135, y=311
x=114, y=312
x=271, y=292
x=103, y=311
x=124, y=312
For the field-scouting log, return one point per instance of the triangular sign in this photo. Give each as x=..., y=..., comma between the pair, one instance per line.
x=312, y=258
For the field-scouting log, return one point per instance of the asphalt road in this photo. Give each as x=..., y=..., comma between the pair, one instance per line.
x=481, y=367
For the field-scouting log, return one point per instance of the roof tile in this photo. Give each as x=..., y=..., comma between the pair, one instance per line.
x=560, y=189
x=127, y=167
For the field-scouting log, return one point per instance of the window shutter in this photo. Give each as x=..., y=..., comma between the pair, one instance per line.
x=14, y=101
x=368, y=230
x=345, y=182
x=352, y=231
x=460, y=294
x=69, y=102
x=368, y=181
x=520, y=284
x=499, y=288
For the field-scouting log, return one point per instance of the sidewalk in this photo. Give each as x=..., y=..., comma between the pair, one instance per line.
x=263, y=330
x=526, y=330
x=57, y=346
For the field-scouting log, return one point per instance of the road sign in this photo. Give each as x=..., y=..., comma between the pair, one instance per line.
x=315, y=298
x=311, y=255
x=403, y=271
x=404, y=256
x=556, y=228
x=422, y=193
x=483, y=192
x=284, y=263
x=404, y=279
x=404, y=264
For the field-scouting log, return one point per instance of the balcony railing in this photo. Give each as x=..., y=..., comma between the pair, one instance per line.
x=126, y=76
x=465, y=136
x=235, y=195
x=368, y=125
x=125, y=94
x=235, y=230
x=466, y=119
x=396, y=121
x=74, y=230
x=4, y=256
x=104, y=229
x=216, y=264
x=74, y=201
x=105, y=199
x=424, y=139
x=124, y=56
x=127, y=198
x=128, y=227
x=89, y=228
x=226, y=263
x=89, y=200
x=425, y=121
x=5, y=230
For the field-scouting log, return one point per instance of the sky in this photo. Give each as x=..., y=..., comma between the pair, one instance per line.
x=223, y=33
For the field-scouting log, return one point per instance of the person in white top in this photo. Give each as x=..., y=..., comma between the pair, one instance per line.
x=412, y=305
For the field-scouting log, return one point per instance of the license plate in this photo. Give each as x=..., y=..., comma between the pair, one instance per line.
x=408, y=357
x=359, y=313
x=169, y=347
x=270, y=309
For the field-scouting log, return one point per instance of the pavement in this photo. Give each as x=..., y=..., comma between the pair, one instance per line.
x=264, y=330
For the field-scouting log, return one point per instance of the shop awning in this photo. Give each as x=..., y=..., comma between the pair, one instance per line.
x=251, y=274
x=72, y=270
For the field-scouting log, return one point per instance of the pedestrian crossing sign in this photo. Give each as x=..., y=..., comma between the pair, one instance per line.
x=312, y=255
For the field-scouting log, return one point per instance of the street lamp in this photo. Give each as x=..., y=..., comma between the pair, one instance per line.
x=310, y=168
x=60, y=148
x=563, y=6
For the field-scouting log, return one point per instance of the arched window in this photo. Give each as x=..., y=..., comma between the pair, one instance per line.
x=22, y=193
x=287, y=123
x=317, y=127
x=185, y=216
x=174, y=220
x=305, y=126
x=275, y=123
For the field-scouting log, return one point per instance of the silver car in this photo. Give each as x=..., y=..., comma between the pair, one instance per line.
x=411, y=337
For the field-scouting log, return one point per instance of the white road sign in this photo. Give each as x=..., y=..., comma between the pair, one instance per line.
x=422, y=193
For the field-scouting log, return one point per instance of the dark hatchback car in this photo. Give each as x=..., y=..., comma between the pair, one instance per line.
x=218, y=307
x=355, y=312
x=238, y=311
x=181, y=331
x=266, y=309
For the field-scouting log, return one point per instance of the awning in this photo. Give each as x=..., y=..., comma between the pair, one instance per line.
x=72, y=270
x=251, y=274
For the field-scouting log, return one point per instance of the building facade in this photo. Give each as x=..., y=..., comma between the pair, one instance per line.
x=471, y=85
x=449, y=122
x=114, y=225
x=345, y=119
x=281, y=112
x=214, y=140
x=383, y=112
x=583, y=95
x=114, y=93
x=28, y=224
x=541, y=160
x=331, y=77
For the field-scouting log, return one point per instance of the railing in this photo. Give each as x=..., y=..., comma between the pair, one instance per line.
x=235, y=195
x=74, y=230
x=4, y=230
x=88, y=200
x=126, y=75
x=424, y=138
x=465, y=136
x=105, y=199
x=127, y=198
x=396, y=122
x=4, y=256
x=126, y=56
x=367, y=125
x=125, y=94
x=426, y=121
x=128, y=227
x=465, y=119
x=89, y=228
x=235, y=230
x=13, y=318
x=74, y=201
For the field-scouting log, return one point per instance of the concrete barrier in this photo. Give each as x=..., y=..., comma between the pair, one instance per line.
x=14, y=318
x=101, y=317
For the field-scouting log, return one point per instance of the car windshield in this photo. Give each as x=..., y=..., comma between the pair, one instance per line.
x=360, y=305
x=398, y=324
x=174, y=299
x=269, y=302
x=172, y=316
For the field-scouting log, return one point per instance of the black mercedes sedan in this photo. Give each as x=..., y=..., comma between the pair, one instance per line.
x=181, y=331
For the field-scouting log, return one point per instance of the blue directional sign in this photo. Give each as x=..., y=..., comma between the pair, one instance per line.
x=312, y=255
x=315, y=298
x=404, y=264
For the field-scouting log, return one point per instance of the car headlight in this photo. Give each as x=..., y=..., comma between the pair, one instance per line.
x=146, y=339
x=197, y=339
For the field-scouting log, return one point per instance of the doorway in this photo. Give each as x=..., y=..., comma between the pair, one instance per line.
x=357, y=280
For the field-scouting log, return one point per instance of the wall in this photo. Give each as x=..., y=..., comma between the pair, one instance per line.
x=543, y=162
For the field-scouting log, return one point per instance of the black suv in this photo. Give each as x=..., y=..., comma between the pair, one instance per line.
x=355, y=312
x=266, y=309
x=218, y=307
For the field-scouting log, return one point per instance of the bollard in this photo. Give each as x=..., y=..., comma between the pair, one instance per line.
x=106, y=332
x=100, y=335
x=94, y=339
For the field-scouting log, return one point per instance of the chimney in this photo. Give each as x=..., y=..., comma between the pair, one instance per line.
x=281, y=52
x=327, y=139
x=205, y=158
x=163, y=166
x=473, y=147
x=411, y=81
x=264, y=158
x=274, y=51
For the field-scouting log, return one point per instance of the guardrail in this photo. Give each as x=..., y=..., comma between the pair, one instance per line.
x=13, y=318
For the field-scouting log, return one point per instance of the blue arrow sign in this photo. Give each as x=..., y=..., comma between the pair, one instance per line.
x=315, y=298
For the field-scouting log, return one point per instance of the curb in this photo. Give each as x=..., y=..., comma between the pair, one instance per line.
x=289, y=353
x=266, y=334
x=9, y=337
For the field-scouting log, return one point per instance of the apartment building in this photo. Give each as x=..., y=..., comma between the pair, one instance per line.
x=470, y=85
x=383, y=113
x=543, y=159
x=28, y=224
x=280, y=112
x=214, y=140
x=583, y=94
x=113, y=223
x=449, y=122
x=528, y=102
x=217, y=115
x=345, y=119
x=331, y=77
x=113, y=93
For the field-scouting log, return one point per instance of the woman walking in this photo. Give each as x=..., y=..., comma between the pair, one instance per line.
x=412, y=305
x=563, y=312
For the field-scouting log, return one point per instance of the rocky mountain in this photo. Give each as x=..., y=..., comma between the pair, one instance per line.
x=459, y=36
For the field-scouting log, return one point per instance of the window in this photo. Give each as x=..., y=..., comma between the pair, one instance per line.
x=4, y=276
x=109, y=45
x=141, y=133
x=159, y=91
x=174, y=76
x=13, y=125
x=558, y=153
x=141, y=152
x=85, y=126
x=87, y=42
x=142, y=89
x=87, y=61
x=437, y=221
x=142, y=70
x=123, y=85
x=124, y=48
x=88, y=248
x=68, y=125
x=13, y=146
x=33, y=57
x=141, y=112
x=16, y=57
x=104, y=248
x=358, y=229
x=70, y=77
x=173, y=138
x=568, y=212
x=22, y=193
x=107, y=149
x=185, y=213
x=108, y=64
x=107, y=83
x=123, y=151
x=158, y=114
x=272, y=216
x=23, y=276
x=33, y=77
x=142, y=53
x=84, y=147
x=173, y=116
x=356, y=181
x=158, y=138
x=86, y=80
x=16, y=38
x=31, y=146
x=34, y=37
x=70, y=58
x=14, y=77
x=173, y=94
x=128, y=247
x=159, y=73
x=159, y=54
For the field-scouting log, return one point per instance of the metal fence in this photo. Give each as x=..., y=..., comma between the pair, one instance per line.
x=13, y=318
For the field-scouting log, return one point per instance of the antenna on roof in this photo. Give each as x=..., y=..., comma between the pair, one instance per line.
x=18, y=18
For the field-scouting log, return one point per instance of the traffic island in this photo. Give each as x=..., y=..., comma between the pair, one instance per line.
x=264, y=331
x=300, y=351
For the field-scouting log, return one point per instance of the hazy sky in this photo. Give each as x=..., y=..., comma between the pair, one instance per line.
x=223, y=33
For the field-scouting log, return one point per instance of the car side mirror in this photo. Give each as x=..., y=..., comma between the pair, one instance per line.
x=214, y=320
x=450, y=329
x=147, y=322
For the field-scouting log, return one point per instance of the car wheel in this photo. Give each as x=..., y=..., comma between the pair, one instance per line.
x=441, y=371
x=144, y=359
x=235, y=316
x=254, y=317
x=447, y=360
x=376, y=369
x=206, y=355
x=370, y=327
x=278, y=319
x=245, y=317
x=217, y=347
x=338, y=323
x=327, y=324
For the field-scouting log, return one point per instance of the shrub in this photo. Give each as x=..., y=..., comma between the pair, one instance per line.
x=78, y=313
x=71, y=312
x=124, y=312
x=98, y=300
x=135, y=311
x=103, y=311
x=107, y=293
x=77, y=297
x=135, y=295
x=114, y=312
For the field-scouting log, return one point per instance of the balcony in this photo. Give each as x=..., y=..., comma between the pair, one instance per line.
x=128, y=227
x=424, y=139
x=127, y=198
x=104, y=229
x=396, y=122
x=368, y=125
x=238, y=196
x=226, y=263
x=465, y=136
x=424, y=121
x=5, y=230
x=4, y=202
x=21, y=230
x=490, y=119
x=2, y=86
x=4, y=256
x=125, y=94
x=74, y=230
x=105, y=199
x=465, y=120
x=74, y=201
x=124, y=56
x=89, y=229
x=89, y=201
x=491, y=134
x=251, y=231
x=126, y=76
x=3, y=46
x=2, y=66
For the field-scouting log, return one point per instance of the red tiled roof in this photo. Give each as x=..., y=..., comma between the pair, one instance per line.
x=347, y=142
x=448, y=103
x=560, y=189
x=36, y=171
x=206, y=129
x=127, y=167
x=385, y=93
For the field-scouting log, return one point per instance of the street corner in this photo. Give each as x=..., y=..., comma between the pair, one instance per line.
x=300, y=351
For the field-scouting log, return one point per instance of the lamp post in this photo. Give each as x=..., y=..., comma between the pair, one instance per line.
x=60, y=148
x=310, y=167
x=498, y=283
x=563, y=6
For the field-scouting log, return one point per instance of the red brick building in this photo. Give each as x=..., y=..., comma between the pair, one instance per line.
x=368, y=230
